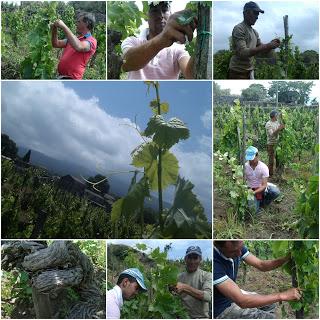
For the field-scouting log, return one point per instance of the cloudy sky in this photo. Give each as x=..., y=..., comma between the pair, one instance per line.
x=303, y=22
x=92, y=124
x=178, y=247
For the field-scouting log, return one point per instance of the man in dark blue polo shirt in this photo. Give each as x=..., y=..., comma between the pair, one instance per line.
x=230, y=302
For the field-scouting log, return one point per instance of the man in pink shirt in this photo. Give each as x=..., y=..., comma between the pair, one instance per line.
x=155, y=54
x=256, y=175
x=77, y=50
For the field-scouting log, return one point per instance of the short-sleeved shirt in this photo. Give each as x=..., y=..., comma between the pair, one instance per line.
x=114, y=302
x=224, y=269
x=271, y=127
x=201, y=280
x=244, y=38
x=165, y=65
x=255, y=176
x=73, y=63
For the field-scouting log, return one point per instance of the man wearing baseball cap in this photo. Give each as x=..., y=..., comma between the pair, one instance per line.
x=273, y=128
x=256, y=175
x=129, y=284
x=158, y=52
x=246, y=44
x=195, y=285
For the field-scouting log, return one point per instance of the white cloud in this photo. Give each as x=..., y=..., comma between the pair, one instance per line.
x=206, y=119
x=54, y=120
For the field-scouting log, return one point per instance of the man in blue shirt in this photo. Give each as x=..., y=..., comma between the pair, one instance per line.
x=230, y=302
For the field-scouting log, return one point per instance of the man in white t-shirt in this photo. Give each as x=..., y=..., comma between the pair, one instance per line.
x=256, y=175
x=129, y=284
x=273, y=128
x=155, y=54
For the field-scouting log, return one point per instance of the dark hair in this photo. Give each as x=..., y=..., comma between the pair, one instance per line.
x=125, y=276
x=162, y=3
x=89, y=19
x=221, y=243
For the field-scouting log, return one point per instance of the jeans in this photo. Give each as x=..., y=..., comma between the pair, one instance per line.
x=270, y=193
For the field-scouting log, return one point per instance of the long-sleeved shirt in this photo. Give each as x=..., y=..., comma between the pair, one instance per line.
x=114, y=302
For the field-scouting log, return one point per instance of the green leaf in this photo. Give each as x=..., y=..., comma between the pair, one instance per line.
x=116, y=210
x=166, y=134
x=147, y=157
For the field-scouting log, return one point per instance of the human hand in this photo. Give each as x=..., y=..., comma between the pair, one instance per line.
x=179, y=287
x=281, y=127
x=59, y=23
x=291, y=294
x=275, y=43
x=175, y=31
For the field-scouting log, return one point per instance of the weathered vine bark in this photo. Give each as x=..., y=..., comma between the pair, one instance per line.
x=52, y=270
x=202, y=60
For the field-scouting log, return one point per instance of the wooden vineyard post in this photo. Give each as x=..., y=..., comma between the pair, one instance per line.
x=295, y=284
x=286, y=34
x=202, y=65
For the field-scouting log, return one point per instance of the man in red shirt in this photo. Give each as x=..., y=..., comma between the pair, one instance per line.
x=77, y=50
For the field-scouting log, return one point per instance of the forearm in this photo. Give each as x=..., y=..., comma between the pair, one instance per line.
x=188, y=74
x=72, y=39
x=136, y=58
x=267, y=265
x=54, y=37
x=259, y=49
x=198, y=294
x=260, y=189
x=256, y=300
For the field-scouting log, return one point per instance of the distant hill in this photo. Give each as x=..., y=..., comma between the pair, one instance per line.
x=118, y=184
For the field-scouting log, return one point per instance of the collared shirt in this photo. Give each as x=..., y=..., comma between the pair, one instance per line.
x=224, y=269
x=271, y=127
x=244, y=38
x=114, y=302
x=255, y=176
x=165, y=65
x=201, y=280
x=73, y=63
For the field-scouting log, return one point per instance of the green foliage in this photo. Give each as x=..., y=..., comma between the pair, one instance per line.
x=304, y=266
x=160, y=170
x=161, y=275
x=27, y=52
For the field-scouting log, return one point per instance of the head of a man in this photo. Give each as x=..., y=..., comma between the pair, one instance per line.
x=85, y=22
x=252, y=155
x=230, y=248
x=131, y=283
x=158, y=15
x=193, y=258
x=251, y=12
x=273, y=115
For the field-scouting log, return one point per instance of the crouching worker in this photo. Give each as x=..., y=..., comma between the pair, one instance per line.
x=256, y=175
x=129, y=284
x=230, y=302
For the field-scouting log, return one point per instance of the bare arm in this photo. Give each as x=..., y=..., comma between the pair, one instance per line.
x=136, y=58
x=56, y=43
x=265, y=265
x=231, y=290
x=81, y=46
x=262, y=187
x=186, y=67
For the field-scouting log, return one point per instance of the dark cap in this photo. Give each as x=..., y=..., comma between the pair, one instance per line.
x=273, y=113
x=195, y=250
x=252, y=6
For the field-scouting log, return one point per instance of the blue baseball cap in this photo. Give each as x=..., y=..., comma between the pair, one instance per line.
x=251, y=153
x=135, y=273
x=195, y=250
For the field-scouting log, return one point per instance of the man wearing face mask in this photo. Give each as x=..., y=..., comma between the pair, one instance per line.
x=246, y=44
x=195, y=285
x=156, y=53
x=129, y=284
x=230, y=302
